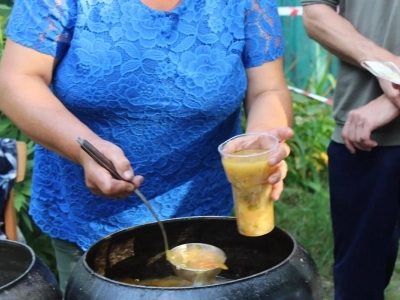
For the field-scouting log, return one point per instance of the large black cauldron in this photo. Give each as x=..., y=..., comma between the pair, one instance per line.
x=23, y=275
x=273, y=266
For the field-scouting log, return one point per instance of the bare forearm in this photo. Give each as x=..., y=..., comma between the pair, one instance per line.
x=385, y=111
x=339, y=36
x=269, y=110
x=29, y=103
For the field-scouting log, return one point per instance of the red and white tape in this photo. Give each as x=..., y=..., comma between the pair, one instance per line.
x=293, y=11
x=311, y=95
x=290, y=11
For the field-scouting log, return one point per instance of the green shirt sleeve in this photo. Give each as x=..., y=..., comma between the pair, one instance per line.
x=330, y=3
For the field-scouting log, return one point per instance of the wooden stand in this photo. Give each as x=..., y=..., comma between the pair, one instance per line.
x=10, y=219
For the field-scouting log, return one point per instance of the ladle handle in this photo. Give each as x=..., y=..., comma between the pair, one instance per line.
x=100, y=158
x=108, y=165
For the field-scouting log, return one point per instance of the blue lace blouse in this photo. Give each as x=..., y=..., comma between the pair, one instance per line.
x=167, y=87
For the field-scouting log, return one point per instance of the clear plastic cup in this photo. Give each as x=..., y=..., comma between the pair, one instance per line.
x=245, y=161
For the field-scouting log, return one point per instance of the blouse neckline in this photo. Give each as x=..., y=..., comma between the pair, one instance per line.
x=176, y=7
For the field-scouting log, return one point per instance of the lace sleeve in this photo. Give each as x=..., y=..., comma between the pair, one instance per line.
x=263, y=33
x=43, y=25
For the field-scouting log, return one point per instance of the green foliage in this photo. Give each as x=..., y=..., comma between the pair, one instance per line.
x=306, y=216
x=323, y=82
x=4, y=13
x=39, y=242
x=304, y=206
x=313, y=127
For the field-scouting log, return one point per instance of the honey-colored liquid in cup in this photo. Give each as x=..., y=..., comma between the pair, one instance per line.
x=248, y=170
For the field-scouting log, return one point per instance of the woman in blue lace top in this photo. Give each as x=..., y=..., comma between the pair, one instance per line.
x=156, y=85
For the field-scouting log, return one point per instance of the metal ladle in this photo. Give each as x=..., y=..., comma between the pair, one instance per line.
x=198, y=276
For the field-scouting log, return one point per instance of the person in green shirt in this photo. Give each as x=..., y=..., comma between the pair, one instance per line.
x=364, y=154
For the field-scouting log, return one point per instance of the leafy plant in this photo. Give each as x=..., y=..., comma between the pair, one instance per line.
x=323, y=82
x=4, y=13
x=304, y=206
x=303, y=209
x=39, y=242
x=313, y=127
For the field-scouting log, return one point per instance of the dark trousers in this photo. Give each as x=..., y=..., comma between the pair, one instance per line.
x=67, y=255
x=365, y=209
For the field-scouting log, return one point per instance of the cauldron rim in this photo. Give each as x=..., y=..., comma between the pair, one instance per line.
x=28, y=269
x=233, y=281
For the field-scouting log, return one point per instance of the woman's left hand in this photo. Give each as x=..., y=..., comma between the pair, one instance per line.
x=277, y=160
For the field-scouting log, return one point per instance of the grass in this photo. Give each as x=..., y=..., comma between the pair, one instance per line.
x=393, y=290
x=306, y=217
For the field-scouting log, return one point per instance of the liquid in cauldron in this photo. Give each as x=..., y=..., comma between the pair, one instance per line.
x=170, y=281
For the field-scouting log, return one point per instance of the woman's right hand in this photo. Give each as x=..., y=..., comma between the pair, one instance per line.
x=100, y=181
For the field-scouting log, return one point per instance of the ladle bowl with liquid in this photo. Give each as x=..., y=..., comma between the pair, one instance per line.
x=197, y=263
